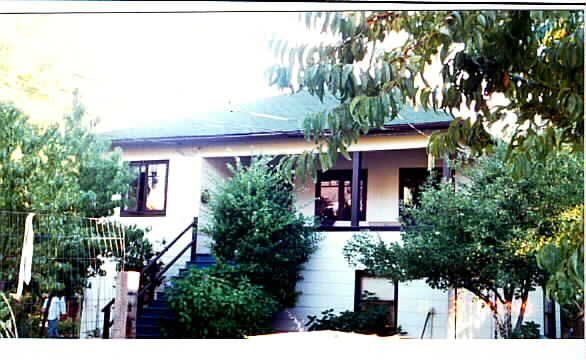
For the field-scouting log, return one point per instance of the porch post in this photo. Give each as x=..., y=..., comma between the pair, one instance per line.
x=445, y=169
x=193, y=255
x=356, y=171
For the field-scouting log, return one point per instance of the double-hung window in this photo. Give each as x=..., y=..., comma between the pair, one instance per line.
x=376, y=291
x=148, y=191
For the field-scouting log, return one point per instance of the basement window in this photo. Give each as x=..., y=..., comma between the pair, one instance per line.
x=148, y=191
x=371, y=291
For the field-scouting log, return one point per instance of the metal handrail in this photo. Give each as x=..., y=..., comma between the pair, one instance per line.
x=160, y=255
x=107, y=323
x=151, y=285
x=431, y=312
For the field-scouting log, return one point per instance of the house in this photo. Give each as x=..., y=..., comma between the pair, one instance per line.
x=177, y=163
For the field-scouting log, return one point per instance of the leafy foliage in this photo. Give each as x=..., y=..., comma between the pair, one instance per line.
x=561, y=253
x=138, y=249
x=218, y=303
x=254, y=224
x=379, y=61
x=529, y=330
x=478, y=238
x=57, y=169
x=7, y=320
x=373, y=320
x=64, y=174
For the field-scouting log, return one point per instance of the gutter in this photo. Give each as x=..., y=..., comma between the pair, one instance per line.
x=399, y=129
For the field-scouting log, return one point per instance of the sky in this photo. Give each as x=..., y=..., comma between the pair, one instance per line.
x=135, y=69
x=142, y=68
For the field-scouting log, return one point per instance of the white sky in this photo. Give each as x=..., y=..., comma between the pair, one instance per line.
x=138, y=68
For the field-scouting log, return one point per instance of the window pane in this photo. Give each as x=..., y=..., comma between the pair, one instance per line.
x=155, y=190
x=327, y=204
x=132, y=196
x=334, y=201
x=383, y=289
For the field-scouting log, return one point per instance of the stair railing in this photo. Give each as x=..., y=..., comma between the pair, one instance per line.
x=107, y=310
x=151, y=277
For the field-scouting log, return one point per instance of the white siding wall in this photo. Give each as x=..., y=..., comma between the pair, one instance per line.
x=328, y=279
x=329, y=284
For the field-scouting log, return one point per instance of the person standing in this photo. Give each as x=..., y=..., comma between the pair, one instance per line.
x=56, y=307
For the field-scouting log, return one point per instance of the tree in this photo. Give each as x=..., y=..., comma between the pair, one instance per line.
x=62, y=168
x=560, y=247
x=254, y=224
x=380, y=61
x=62, y=173
x=479, y=237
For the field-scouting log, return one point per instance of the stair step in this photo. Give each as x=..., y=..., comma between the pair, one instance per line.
x=153, y=320
x=156, y=310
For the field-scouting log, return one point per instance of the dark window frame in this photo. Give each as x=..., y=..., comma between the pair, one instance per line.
x=342, y=175
x=141, y=198
x=358, y=302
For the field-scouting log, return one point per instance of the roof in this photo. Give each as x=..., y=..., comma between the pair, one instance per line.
x=276, y=115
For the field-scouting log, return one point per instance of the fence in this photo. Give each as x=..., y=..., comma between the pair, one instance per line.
x=70, y=260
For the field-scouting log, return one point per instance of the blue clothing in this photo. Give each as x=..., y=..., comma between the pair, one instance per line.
x=52, y=330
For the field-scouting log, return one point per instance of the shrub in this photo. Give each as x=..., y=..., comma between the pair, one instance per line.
x=138, y=250
x=528, y=330
x=372, y=320
x=218, y=303
x=254, y=224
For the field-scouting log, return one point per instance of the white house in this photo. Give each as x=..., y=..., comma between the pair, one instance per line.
x=182, y=159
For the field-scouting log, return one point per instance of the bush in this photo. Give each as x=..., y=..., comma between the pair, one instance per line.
x=254, y=224
x=528, y=330
x=138, y=250
x=218, y=303
x=372, y=320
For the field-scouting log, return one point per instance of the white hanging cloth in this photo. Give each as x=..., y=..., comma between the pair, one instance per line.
x=26, y=258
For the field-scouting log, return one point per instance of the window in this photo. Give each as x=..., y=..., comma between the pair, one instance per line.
x=148, y=191
x=334, y=196
x=380, y=291
x=411, y=181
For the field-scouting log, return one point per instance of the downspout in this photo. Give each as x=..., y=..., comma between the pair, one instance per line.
x=455, y=313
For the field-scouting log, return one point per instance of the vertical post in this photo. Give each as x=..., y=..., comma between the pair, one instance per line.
x=356, y=171
x=133, y=286
x=106, y=325
x=121, y=310
x=194, y=239
x=446, y=172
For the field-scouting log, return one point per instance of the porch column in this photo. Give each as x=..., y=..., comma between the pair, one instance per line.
x=356, y=167
x=445, y=169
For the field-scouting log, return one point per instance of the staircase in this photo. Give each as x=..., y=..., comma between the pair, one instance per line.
x=148, y=323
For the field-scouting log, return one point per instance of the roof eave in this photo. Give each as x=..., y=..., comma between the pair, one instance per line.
x=388, y=129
